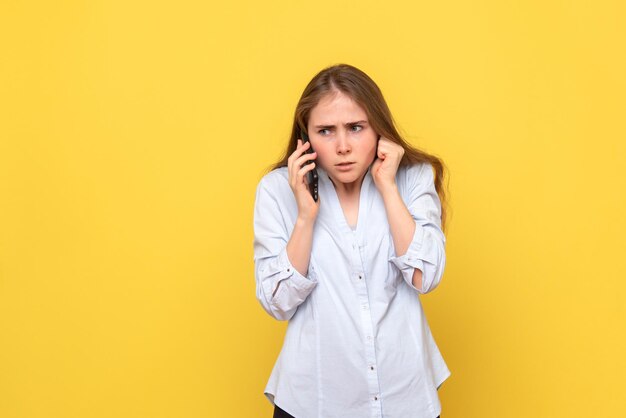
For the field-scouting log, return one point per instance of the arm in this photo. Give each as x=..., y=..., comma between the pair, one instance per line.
x=402, y=227
x=416, y=229
x=299, y=245
x=280, y=285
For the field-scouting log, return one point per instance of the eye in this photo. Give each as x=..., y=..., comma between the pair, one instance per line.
x=321, y=130
x=357, y=126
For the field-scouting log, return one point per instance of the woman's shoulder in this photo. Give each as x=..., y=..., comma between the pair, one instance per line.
x=276, y=180
x=409, y=175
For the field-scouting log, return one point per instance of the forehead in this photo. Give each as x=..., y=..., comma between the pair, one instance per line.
x=336, y=107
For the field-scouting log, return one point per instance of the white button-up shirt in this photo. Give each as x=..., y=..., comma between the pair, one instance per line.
x=357, y=343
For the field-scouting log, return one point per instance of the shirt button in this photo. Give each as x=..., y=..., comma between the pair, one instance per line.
x=288, y=269
x=360, y=277
x=375, y=398
x=369, y=337
x=371, y=367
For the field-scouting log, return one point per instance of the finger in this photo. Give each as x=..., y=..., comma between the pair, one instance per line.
x=304, y=158
x=294, y=164
x=297, y=152
x=304, y=146
x=305, y=170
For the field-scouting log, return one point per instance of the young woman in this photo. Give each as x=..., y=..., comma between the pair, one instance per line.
x=347, y=270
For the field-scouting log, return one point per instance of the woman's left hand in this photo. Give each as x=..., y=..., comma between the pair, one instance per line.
x=386, y=165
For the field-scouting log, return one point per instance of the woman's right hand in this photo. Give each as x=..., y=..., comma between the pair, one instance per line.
x=307, y=207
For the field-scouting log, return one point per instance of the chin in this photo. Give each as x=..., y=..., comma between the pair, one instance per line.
x=348, y=177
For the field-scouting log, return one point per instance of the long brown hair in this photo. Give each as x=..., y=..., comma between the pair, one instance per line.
x=364, y=91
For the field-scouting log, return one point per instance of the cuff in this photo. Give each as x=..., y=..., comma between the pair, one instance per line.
x=284, y=270
x=412, y=259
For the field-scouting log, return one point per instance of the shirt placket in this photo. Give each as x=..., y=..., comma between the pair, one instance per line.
x=358, y=274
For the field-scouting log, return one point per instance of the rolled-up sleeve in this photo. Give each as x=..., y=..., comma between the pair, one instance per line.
x=426, y=251
x=280, y=288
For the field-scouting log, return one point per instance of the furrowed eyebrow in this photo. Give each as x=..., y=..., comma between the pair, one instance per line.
x=347, y=124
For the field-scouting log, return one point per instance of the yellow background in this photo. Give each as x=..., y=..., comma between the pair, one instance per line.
x=132, y=137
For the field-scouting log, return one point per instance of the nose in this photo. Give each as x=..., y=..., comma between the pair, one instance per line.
x=343, y=145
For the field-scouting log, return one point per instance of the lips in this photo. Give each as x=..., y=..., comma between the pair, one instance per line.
x=345, y=166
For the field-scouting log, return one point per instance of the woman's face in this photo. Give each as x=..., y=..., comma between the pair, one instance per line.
x=341, y=136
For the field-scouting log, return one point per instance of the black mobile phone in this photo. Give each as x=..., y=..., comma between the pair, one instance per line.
x=311, y=176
